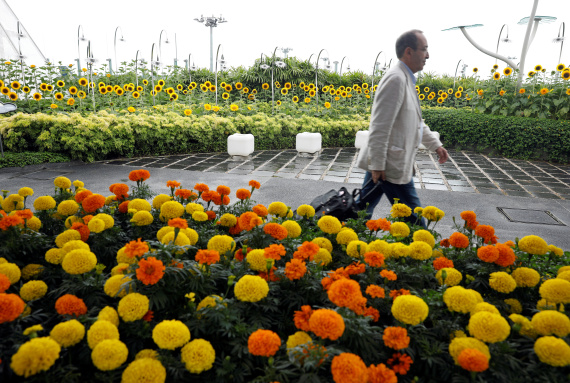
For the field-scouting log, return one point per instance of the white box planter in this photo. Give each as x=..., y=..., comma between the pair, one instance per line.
x=308, y=142
x=361, y=139
x=240, y=144
x=422, y=146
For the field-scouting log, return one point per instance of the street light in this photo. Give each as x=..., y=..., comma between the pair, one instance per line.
x=560, y=39
x=505, y=40
x=79, y=39
x=152, y=65
x=90, y=60
x=20, y=55
x=175, y=51
x=317, y=73
x=223, y=66
x=189, y=66
x=122, y=39
x=457, y=67
x=137, y=66
x=160, y=42
x=286, y=51
x=279, y=64
x=341, y=63
x=211, y=22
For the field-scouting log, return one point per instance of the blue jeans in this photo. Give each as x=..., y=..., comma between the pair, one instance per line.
x=371, y=193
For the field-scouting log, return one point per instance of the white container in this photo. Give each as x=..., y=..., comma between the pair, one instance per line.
x=422, y=146
x=361, y=139
x=308, y=142
x=240, y=144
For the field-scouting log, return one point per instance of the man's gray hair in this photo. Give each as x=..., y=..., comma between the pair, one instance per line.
x=407, y=39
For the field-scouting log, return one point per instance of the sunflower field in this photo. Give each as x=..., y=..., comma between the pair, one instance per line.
x=203, y=284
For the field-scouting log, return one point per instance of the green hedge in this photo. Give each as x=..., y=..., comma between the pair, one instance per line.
x=106, y=135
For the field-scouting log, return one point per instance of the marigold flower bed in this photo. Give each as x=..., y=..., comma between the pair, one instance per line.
x=203, y=286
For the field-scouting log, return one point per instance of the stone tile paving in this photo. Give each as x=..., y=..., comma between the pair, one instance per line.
x=465, y=172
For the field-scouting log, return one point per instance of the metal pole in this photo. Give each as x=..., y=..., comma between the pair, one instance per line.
x=499, y=39
x=137, y=68
x=91, y=60
x=78, y=50
x=122, y=39
x=342, y=62
x=152, y=72
x=212, y=49
x=455, y=75
x=216, y=78
x=562, y=27
x=525, y=44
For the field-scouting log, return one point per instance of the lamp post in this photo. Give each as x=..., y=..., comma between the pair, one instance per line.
x=190, y=67
x=115, y=45
x=317, y=73
x=137, y=66
x=160, y=42
x=222, y=61
x=341, y=63
x=505, y=40
x=152, y=65
x=175, y=51
x=20, y=55
x=560, y=39
x=90, y=60
x=286, y=51
x=211, y=22
x=79, y=39
x=455, y=75
x=274, y=63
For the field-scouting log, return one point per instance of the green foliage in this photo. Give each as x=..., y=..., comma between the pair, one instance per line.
x=12, y=159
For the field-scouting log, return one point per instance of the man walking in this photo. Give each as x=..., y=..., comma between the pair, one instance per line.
x=397, y=129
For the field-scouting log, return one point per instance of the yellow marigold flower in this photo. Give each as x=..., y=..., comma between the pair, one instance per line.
x=459, y=344
x=526, y=277
x=12, y=271
x=141, y=218
x=62, y=182
x=552, y=351
x=564, y=275
x=293, y=228
x=66, y=236
x=44, y=203
x=523, y=325
x=109, y=314
x=543, y=304
x=424, y=236
x=484, y=306
x=159, y=200
x=31, y=270
x=297, y=339
x=96, y=225
x=109, y=354
x=533, y=244
x=323, y=243
x=109, y=221
x=221, y=243
x=181, y=239
x=198, y=356
x=33, y=290
x=68, y=207
x=144, y=370
x=139, y=204
x=99, y=331
x=35, y=356
x=79, y=262
x=420, y=250
x=356, y=249
x=380, y=246
x=12, y=202
x=550, y=322
x=227, y=220
x=199, y=216
x=171, y=209
x=170, y=334
x=323, y=257
x=329, y=224
x=452, y=276
x=345, y=236
x=306, y=211
x=399, y=229
x=68, y=333
x=26, y=191
x=251, y=288
x=398, y=250
x=462, y=300
x=489, y=327
x=117, y=286
x=563, y=269
x=502, y=282
x=278, y=209
x=556, y=250
x=515, y=306
x=555, y=291
x=193, y=207
x=54, y=256
x=133, y=307
x=399, y=210
x=147, y=353
x=432, y=213
x=410, y=309
x=257, y=260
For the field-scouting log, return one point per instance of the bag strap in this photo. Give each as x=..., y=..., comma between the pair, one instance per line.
x=356, y=192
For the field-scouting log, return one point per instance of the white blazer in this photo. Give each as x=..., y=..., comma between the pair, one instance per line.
x=395, y=128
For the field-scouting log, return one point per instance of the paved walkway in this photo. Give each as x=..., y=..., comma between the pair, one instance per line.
x=465, y=172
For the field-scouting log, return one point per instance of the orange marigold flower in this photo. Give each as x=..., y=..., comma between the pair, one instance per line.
x=70, y=305
x=306, y=250
x=199, y=187
x=375, y=291
x=172, y=184
x=136, y=248
x=87, y=218
x=295, y=269
x=381, y=374
x=389, y=275
x=254, y=184
x=348, y=367
x=247, y=220
x=138, y=175
x=12, y=306
x=326, y=282
x=396, y=338
x=222, y=189
x=444, y=242
x=468, y=215
x=186, y=194
x=243, y=194
x=459, y=240
x=378, y=224
x=124, y=207
x=211, y=215
x=150, y=271
x=326, y=324
x=471, y=225
x=301, y=318
x=396, y=293
x=260, y=210
x=9, y=221
x=374, y=259
x=180, y=223
x=471, y=359
x=208, y=257
x=120, y=190
x=4, y=283
x=510, y=243
x=271, y=277
x=507, y=255
x=79, y=197
x=239, y=255
x=93, y=202
x=355, y=268
x=373, y=313
x=82, y=229
x=217, y=199
x=236, y=229
x=275, y=251
x=263, y=343
x=346, y=293
x=208, y=194
x=442, y=262
x=148, y=316
x=488, y=253
x=275, y=230
x=486, y=232
x=400, y=363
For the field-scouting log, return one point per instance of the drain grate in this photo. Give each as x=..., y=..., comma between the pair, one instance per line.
x=542, y=217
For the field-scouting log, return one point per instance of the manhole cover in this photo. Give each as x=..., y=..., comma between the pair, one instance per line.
x=542, y=217
x=42, y=175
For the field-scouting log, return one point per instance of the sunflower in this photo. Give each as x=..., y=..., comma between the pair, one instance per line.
x=59, y=96
x=212, y=88
x=174, y=97
x=15, y=85
x=277, y=84
x=120, y=91
x=278, y=102
x=109, y=89
x=5, y=90
x=421, y=96
x=544, y=91
x=496, y=76
x=103, y=90
x=457, y=94
x=227, y=87
x=450, y=91
x=327, y=104
x=161, y=82
x=568, y=92
x=531, y=73
x=136, y=95
x=53, y=106
x=81, y=94
x=287, y=85
x=312, y=93
x=265, y=86
x=26, y=89
x=245, y=90
x=475, y=70
x=13, y=96
x=60, y=83
x=502, y=92
x=43, y=85
x=307, y=100
x=566, y=75
x=495, y=67
x=444, y=95
x=71, y=102
x=344, y=94
x=225, y=95
x=234, y=107
x=145, y=82
x=49, y=87
x=522, y=91
x=139, y=88
x=73, y=90
x=560, y=67
x=251, y=97
x=440, y=100
x=507, y=71
x=37, y=96
x=538, y=68
x=431, y=96
x=284, y=91
x=460, y=89
x=239, y=85
x=179, y=87
x=295, y=99
x=302, y=84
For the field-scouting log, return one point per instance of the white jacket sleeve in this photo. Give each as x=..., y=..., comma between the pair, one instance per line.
x=430, y=140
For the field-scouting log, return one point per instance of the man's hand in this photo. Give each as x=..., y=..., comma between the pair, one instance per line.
x=442, y=154
x=378, y=174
